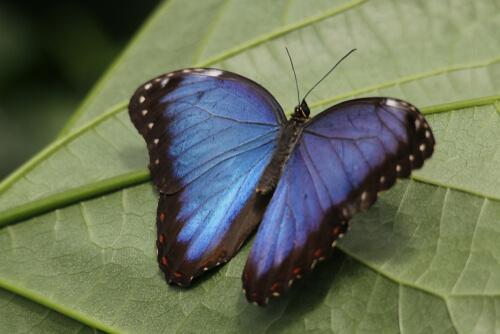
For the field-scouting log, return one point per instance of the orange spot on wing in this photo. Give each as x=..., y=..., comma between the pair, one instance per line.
x=164, y=260
x=296, y=271
x=161, y=238
x=317, y=253
x=336, y=230
x=177, y=275
x=273, y=287
x=162, y=216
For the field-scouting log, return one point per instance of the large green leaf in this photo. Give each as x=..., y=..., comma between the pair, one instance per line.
x=424, y=259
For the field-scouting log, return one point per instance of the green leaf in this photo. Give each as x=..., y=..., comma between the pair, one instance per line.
x=425, y=258
x=21, y=315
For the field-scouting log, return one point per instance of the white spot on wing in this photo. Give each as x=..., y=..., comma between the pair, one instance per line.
x=344, y=211
x=364, y=195
x=164, y=82
x=382, y=179
x=144, y=112
x=422, y=147
x=412, y=157
x=142, y=99
x=214, y=73
x=156, y=141
x=392, y=102
x=150, y=125
x=398, y=168
x=417, y=124
x=148, y=85
x=427, y=134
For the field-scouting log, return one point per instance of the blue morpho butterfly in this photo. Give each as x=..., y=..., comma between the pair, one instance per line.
x=224, y=158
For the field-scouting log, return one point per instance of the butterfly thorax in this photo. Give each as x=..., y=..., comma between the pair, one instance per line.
x=286, y=142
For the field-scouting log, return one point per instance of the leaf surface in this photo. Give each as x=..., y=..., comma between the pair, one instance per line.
x=424, y=258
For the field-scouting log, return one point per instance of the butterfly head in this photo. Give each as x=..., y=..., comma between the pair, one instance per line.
x=302, y=112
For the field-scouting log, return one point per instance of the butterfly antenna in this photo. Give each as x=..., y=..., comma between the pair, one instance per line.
x=293, y=69
x=329, y=71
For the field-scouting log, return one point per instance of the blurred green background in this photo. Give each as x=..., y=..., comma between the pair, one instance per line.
x=51, y=54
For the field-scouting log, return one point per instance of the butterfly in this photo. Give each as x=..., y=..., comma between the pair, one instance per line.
x=224, y=158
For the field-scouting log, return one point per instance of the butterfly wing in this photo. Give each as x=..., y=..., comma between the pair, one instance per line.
x=344, y=157
x=210, y=134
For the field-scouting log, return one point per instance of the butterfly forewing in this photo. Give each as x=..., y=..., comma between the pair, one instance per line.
x=343, y=158
x=210, y=134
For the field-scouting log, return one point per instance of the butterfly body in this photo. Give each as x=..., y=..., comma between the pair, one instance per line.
x=224, y=159
x=286, y=142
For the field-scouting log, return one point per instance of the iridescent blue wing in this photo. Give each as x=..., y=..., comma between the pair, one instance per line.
x=343, y=159
x=210, y=134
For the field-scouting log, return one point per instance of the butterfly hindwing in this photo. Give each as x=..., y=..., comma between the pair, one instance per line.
x=210, y=134
x=343, y=158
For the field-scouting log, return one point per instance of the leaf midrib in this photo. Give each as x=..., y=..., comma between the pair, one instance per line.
x=56, y=306
x=6, y=183
x=98, y=188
